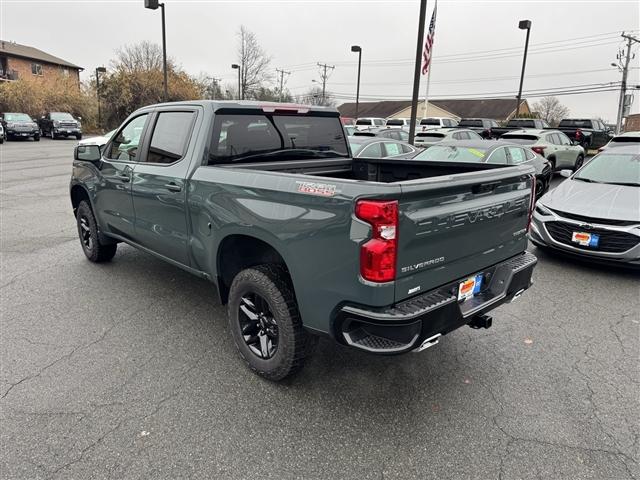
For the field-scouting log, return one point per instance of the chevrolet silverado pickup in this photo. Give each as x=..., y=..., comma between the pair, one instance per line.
x=589, y=133
x=301, y=239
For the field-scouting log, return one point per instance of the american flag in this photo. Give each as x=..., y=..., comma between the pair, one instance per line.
x=428, y=44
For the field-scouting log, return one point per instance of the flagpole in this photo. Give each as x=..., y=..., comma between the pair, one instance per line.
x=426, y=92
x=416, y=74
x=426, y=95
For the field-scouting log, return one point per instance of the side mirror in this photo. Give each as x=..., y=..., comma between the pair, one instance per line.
x=87, y=153
x=79, y=118
x=566, y=173
x=42, y=117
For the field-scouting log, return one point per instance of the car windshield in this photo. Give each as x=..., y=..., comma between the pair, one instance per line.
x=61, y=116
x=238, y=137
x=613, y=168
x=520, y=139
x=452, y=154
x=628, y=139
x=17, y=117
x=578, y=123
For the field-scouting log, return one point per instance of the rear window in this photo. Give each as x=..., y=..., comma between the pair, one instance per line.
x=239, y=136
x=430, y=135
x=395, y=122
x=578, y=123
x=362, y=121
x=452, y=154
x=522, y=123
x=470, y=123
x=430, y=121
x=520, y=139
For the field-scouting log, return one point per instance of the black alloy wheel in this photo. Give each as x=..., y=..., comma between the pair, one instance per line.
x=258, y=325
x=85, y=232
x=579, y=162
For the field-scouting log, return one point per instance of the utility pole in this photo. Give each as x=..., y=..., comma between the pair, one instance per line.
x=282, y=74
x=324, y=76
x=215, y=86
x=416, y=73
x=624, y=60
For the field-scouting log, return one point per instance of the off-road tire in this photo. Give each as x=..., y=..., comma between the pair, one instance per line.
x=36, y=138
x=579, y=163
x=271, y=282
x=97, y=251
x=79, y=136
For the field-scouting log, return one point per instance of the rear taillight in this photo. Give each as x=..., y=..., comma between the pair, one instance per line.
x=532, y=202
x=538, y=150
x=601, y=149
x=578, y=134
x=378, y=254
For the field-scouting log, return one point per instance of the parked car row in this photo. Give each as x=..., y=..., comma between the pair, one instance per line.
x=14, y=125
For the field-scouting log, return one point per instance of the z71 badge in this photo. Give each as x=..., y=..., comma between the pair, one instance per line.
x=312, y=188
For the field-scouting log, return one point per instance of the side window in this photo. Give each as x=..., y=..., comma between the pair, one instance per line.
x=170, y=137
x=530, y=155
x=457, y=136
x=407, y=148
x=404, y=136
x=393, y=149
x=473, y=135
x=379, y=122
x=124, y=146
x=564, y=140
x=395, y=135
x=373, y=151
x=498, y=156
x=517, y=155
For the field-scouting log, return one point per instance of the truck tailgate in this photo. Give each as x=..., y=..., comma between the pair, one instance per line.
x=452, y=227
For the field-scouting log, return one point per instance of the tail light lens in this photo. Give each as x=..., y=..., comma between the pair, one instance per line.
x=532, y=203
x=578, y=134
x=538, y=150
x=378, y=255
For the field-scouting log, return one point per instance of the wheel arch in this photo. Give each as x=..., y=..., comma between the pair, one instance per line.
x=237, y=252
x=79, y=193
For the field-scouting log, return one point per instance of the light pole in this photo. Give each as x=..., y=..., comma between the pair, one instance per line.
x=235, y=66
x=153, y=5
x=523, y=25
x=358, y=49
x=98, y=71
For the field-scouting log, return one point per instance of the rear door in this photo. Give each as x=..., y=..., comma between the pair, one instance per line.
x=452, y=227
x=159, y=186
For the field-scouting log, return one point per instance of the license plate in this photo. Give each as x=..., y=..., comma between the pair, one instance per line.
x=469, y=287
x=585, y=239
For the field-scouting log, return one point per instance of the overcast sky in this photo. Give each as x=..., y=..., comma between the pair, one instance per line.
x=477, y=52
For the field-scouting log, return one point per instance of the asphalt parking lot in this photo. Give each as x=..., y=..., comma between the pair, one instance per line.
x=127, y=370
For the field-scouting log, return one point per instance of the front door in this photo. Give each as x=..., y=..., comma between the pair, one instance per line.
x=159, y=187
x=113, y=194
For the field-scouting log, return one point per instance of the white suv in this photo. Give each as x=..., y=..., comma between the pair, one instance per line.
x=437, y=122
x=363, y=123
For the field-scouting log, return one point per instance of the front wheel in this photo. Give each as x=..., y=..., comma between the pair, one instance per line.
x=93, y=248
x=78, y=136
x=579, y=162
x=265, y=322
x=36, y=138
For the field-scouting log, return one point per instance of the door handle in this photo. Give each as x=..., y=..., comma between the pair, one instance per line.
x=124, y=177
x=173, y=187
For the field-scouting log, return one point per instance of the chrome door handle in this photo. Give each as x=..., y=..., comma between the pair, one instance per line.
x=173, y=187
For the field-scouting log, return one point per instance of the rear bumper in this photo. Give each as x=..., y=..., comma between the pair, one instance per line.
x=406, y=325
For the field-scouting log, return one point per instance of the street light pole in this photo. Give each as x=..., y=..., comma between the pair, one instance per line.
x=98, y=71
x=523, y=25
x=357, y=48
x=153, y=5
x=235, y=66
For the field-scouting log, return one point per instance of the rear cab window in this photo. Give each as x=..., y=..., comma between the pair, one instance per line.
x=470, y=123
x=576, y=122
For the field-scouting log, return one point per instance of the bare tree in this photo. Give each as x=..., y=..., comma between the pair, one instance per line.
x=140, y=57
x=314, y=97
x=254, y=63
x=551, y=110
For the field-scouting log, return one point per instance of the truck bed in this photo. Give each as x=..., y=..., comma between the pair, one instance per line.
x=368, y=169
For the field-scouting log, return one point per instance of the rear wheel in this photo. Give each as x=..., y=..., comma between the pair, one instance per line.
x=579, y=162
x=265, y=322
x=95, y=250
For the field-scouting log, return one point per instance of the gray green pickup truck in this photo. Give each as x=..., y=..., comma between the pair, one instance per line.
x=301, y=239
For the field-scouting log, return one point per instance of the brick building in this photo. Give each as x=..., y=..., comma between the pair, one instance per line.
x=23, y=62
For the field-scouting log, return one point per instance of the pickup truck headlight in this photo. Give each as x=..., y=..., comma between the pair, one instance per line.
x=79, y=125
x=56, y=123
x=542, y=210
x=10, y=124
